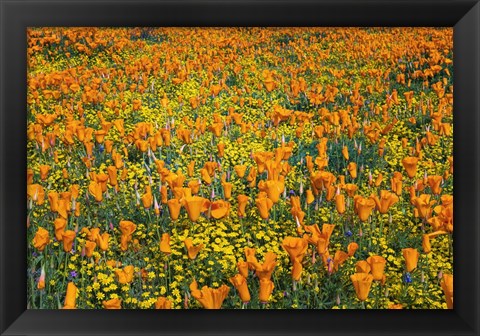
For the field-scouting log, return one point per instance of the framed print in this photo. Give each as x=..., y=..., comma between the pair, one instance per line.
x=239, y=167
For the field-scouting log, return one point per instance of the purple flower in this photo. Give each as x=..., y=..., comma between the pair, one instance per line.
x=73, y=274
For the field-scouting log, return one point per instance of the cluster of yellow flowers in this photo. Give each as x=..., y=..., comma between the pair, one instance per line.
x=240, y=168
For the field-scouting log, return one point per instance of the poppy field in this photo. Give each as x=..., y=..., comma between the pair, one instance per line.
x=240, y=168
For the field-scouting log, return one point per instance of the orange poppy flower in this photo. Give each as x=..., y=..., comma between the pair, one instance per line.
x=296, y=248
x=242, y=204
x=208, y=297
x=352, y=169
x=434, y=182
x=410, y=165
x=227, y=189
x=102, y=241
x=41, y=239
x=220, y=209
x=363, y=207
x=377, y=266
x=127, y=228
x=68, y=240
x=125, y=276
x=194, y=206
x=264, y=204
x=60, y=225
x=36, y=193
x=112, y=304
x=352, y=248
x=240, y=283
x=362, y=282
x=165, y=244
x=423, y=205
x=411, y=258
x=340, y=203
x=163, y=303
x=174, y=207
x=95, y=189
x=242, y=267
x=386, y=200
x=192, y=250
x=71, y=296
x=89, y=248
x=44, y=169
x=240, y=170
x=447, y=287
x=362, y=266
x=266, y=289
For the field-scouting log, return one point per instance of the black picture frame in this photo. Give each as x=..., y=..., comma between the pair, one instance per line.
x=16, y=16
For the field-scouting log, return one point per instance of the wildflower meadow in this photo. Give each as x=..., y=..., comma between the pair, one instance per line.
x=240, y=168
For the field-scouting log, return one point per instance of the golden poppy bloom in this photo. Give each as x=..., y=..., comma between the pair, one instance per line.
x=165, y=244
x=126, y=275
x=447, y=287
x=112, y=304
x=242, y=204
x=352, y=248
x=41, y=239
x=265, y=270
x=95, y=189
x=426, y=245
x=191, y=249
x=174, y=207
x=36, y=193
x=352, y=169
x=310, y=198
x=351, y=189
x=362, y=266
x=194, y=206
x=274, y=190
x=71, y=296
x=264, y=204
x=127, y=228
x=377, y=266
x=395, y=306
x=68, y=240
x=410, y=165
x=240, y=283
x=266, y=289
x=385, y=201
x=220, y=209
x=44, y=169
x=227, y=189
x=163, y=303
x=362, y=282
x=423, y=205
x=208, y=297
x=242, y=267
x=345, y=152
x=60, y=224
x=112, y=175
x=340, y=203
x=102, y=241
x=434, y=183
x=240, y=170
x=411, y=258
x=296, y=249
x=191, y=168
x=89, y=248
x=147, y=199
x=363, y=207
